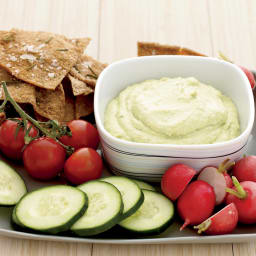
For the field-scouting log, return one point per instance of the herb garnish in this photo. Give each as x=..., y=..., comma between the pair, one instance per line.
x=62, y=50
x=94, y=75
x=9, y=37
x=48, y=40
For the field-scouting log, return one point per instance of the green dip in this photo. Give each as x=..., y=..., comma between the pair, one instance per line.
x=172, y=111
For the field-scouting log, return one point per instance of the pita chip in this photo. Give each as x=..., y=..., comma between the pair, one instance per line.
x=84, y=105
x=87, y=70
x=148, y=49
x=50, y=104
x=39, y=58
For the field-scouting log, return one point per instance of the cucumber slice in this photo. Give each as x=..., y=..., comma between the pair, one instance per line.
x=12, y=186
x=104, y=211
x=143, y=185
x=153, y=217
x=14, y=219
x=132, y=195
x=51, y=209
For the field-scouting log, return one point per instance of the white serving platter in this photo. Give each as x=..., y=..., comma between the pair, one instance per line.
x=172, y=235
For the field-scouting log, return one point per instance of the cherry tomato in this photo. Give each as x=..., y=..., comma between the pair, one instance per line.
x=83, y=165
x=44, y=158
x=84, y=135
x=10, y=144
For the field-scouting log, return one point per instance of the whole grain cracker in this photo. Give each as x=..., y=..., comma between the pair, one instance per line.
x=87, y=70
x=79, y=87
x=19, y=91
x=148, y=49
x=84, y=105
x=50, y=104
x=81, y=44
x=70, y=112
x=39, y=58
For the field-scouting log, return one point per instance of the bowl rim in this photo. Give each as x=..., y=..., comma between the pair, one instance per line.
x=243, y=136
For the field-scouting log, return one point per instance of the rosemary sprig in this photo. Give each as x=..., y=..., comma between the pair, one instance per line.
x=31, y=67
x=9, y=37
x=76, y=68
x=50, y=128
x=62, y=50
x=48, y=40
x=94, y=75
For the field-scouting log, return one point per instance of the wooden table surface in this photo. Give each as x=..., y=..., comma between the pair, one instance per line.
x=115, y=26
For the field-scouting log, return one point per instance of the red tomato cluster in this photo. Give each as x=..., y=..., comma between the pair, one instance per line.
x=44, y=158
x=196, y=199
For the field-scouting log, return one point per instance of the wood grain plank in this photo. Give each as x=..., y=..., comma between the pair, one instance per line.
x=163, y=250
x=233, y=25
x=20, y=247
x=248, y=249
x=123, y=23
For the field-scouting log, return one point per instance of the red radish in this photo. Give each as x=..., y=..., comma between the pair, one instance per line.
x=222, y=222
x=228, y=179
x=175, y=180
x=243, y=195
x=216, y=178
x=247, y=72
x=229, y=183
x=249, y=75
x=245, y=169
x=196, y=203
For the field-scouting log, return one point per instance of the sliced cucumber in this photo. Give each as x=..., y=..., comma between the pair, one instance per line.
x=104, y=211
x=144, y=185
x=14, y=219
x=51, y=209
x=153, y=217
x=12, y=186
x=132, y=195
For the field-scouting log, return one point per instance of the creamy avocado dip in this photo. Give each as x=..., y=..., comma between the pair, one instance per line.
x=172, y=111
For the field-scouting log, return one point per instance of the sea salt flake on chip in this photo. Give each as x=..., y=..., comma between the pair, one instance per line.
x=87, y=70
x=79, y=87
x=36, y=48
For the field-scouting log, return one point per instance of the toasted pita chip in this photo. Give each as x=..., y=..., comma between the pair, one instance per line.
x=79, y=87
x=81, y=44
x=20, y=92
x=50, y=104
x=70, y=113
x=39, y=58
x=148, y=49
x=84, y=105
x=87, y=70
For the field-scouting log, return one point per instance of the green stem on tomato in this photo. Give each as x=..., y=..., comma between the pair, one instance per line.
x=25, y=117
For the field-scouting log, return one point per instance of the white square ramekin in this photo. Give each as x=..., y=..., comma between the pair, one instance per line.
x=150, y=161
